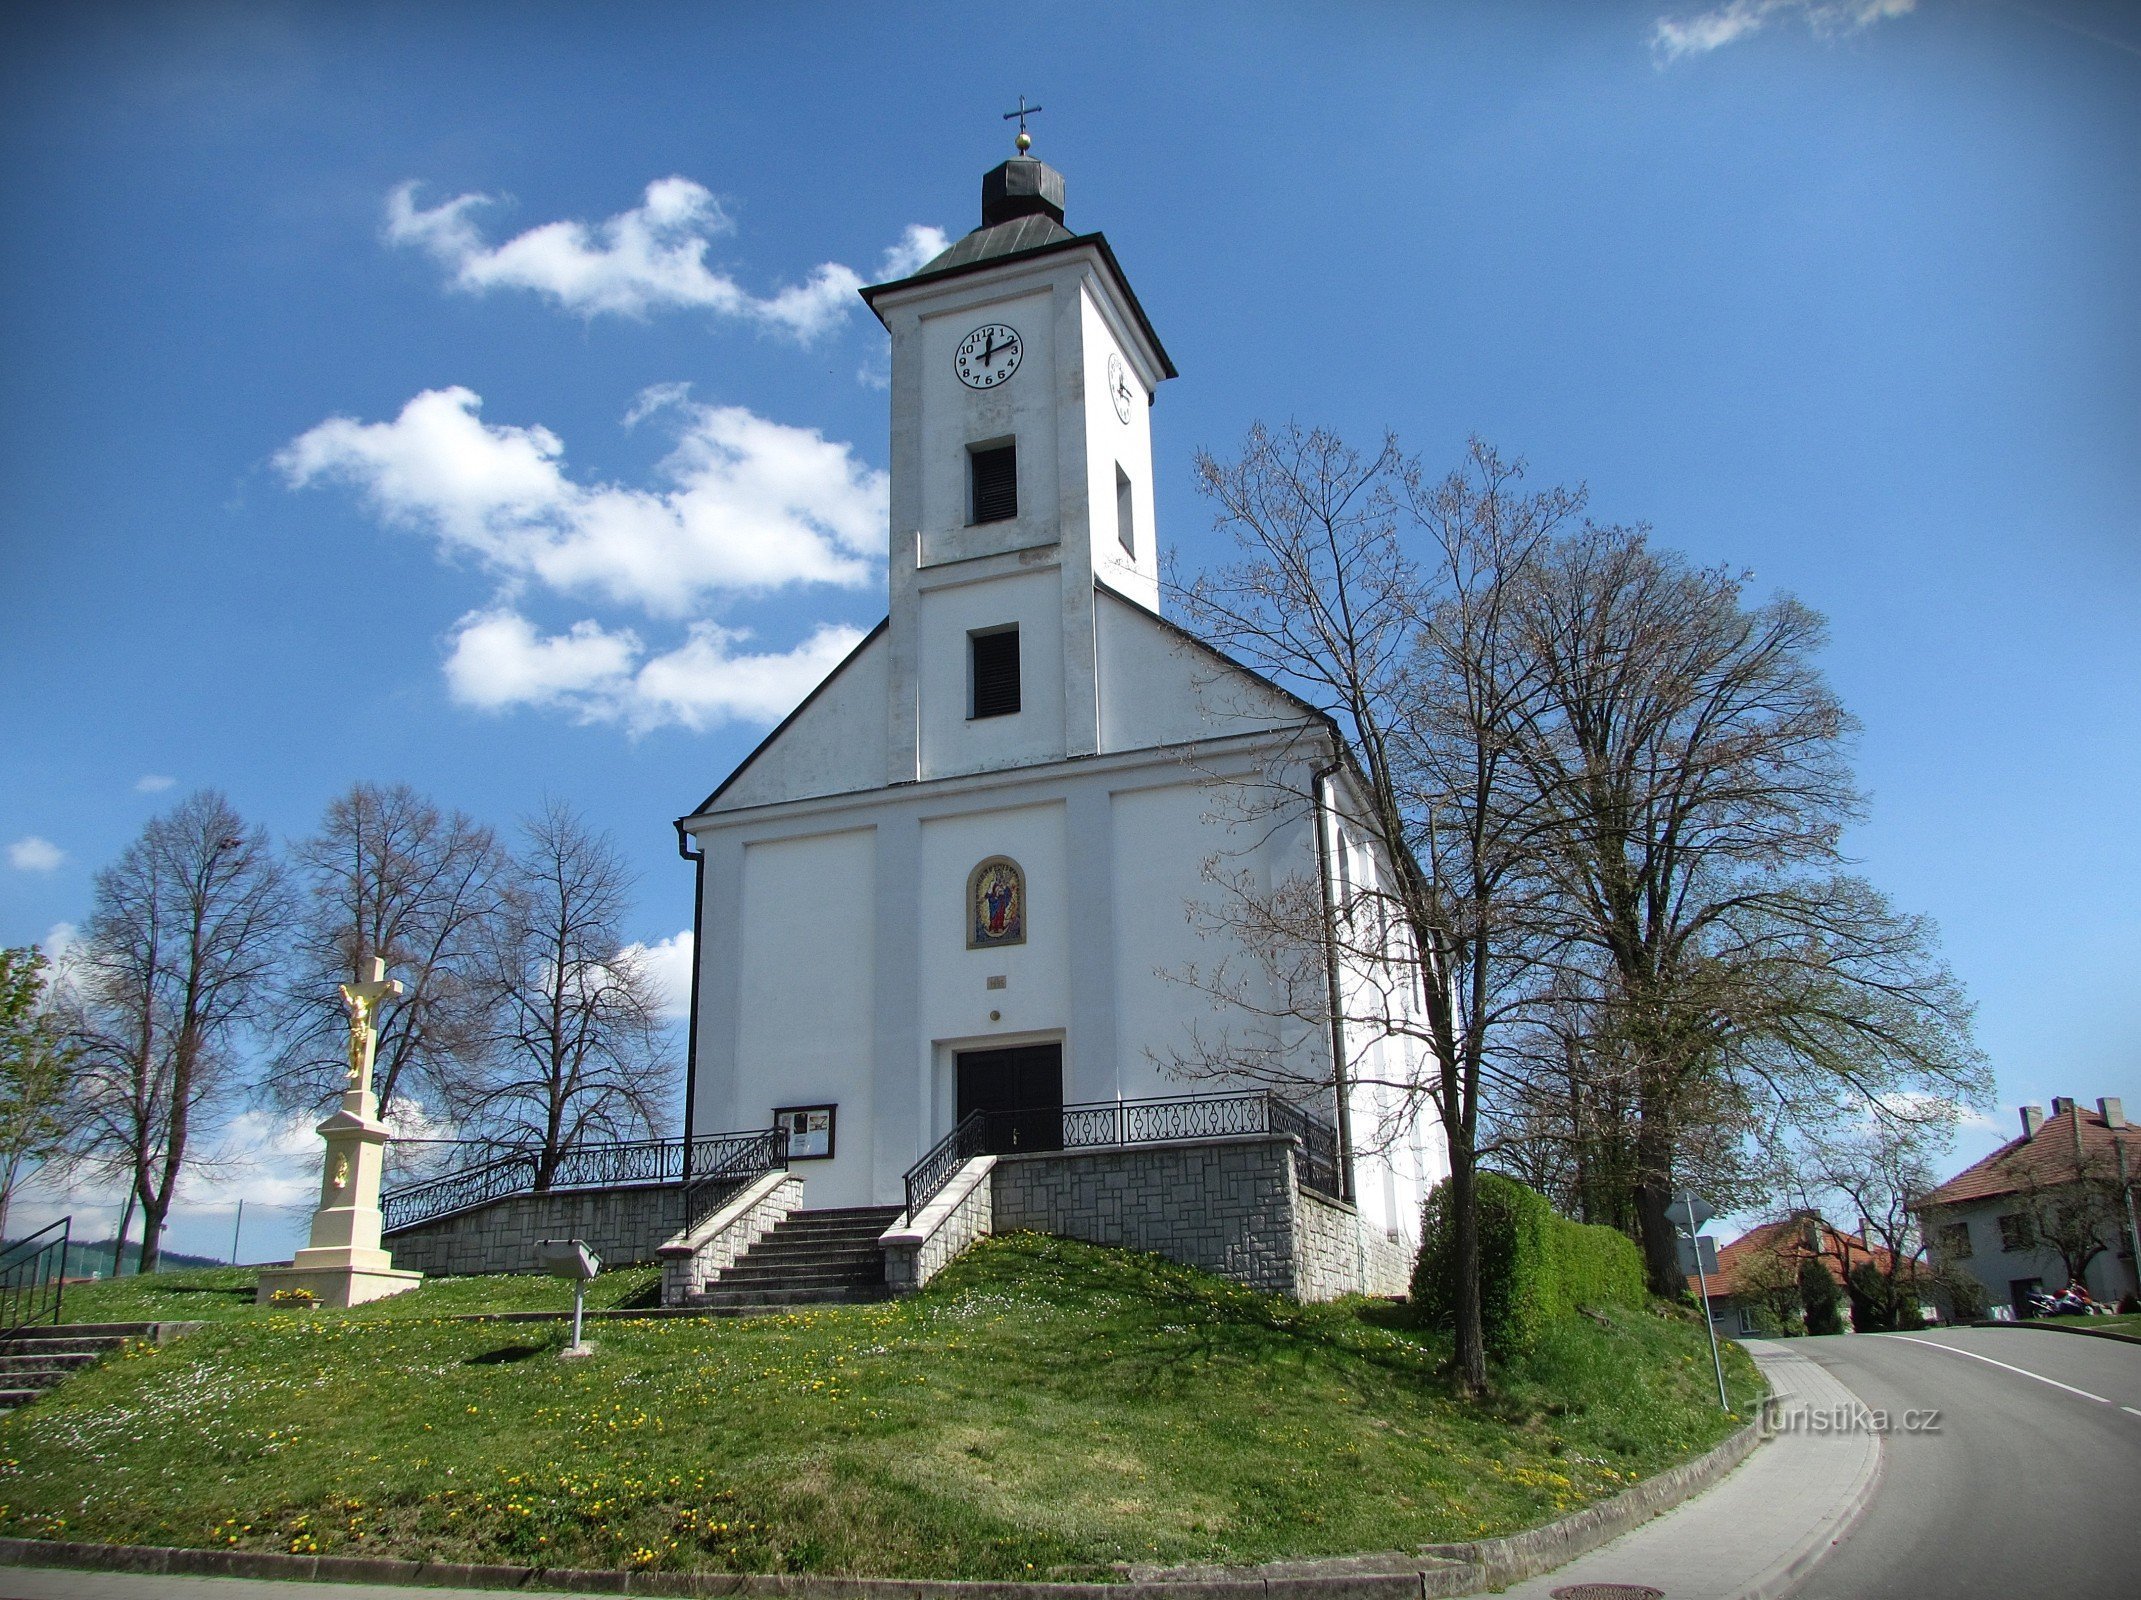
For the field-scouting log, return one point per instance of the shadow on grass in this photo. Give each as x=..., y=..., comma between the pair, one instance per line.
x=504, y=1355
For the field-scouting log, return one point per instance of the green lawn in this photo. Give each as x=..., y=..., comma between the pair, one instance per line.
x=1045, y=1408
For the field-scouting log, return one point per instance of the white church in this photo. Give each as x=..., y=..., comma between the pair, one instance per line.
x=954, y=916
x=964, y=874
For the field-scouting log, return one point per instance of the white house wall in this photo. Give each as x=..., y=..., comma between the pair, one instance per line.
x=1159, y=688
x=956, y=1000
x=835, y=744
x=804, y=1035
x=953, y=742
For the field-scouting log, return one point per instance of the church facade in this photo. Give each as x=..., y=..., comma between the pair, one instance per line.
x=975, y=870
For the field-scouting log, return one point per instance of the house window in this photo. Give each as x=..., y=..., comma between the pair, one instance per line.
x=1955, y=1241
x=994, y=662
x=2017, y=1232
x=994, y=481
x=1125, y=525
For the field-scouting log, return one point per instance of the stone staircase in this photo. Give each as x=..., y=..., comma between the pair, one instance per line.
x=809, y=1258
x=34, y=1359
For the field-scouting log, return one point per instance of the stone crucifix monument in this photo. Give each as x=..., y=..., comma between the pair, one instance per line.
x=344, y=1265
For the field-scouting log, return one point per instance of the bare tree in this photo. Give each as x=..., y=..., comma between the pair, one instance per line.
x=184, y=933
x=38, y=1111
x=1877, y=1159
x=1417, y=670
x=572, y=1057
x=1698, y=764
x=391, y=876
x=2077, y=1219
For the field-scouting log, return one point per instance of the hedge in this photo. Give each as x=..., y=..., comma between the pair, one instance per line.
x=1535, y=1267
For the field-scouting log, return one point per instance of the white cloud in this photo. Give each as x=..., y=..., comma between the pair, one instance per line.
x=748, y=504
x=1674, y=37
x=651, y=258
x=918, y=246
x=59, y=942
x=656, y=397
x=668, y=963
x=32, y=854
x=152, y=783
x=500, y=661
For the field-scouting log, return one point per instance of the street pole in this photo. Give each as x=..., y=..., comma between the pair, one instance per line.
x=234, y=1229
x=1702, y=1280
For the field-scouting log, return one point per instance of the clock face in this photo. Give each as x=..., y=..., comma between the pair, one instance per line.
x=1119, y=386
x=988, y=356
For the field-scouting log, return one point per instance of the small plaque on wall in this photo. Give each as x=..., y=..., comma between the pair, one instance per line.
x=809, y=1130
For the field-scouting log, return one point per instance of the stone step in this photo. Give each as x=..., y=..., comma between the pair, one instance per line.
x=84, y=1330
x=11, y=1398
x=720, y=1299
x=806, y=1250
x=885, y=1214
x=750, y=1271
x=46, y=1361
x=48, y=1349
x=866, y=1234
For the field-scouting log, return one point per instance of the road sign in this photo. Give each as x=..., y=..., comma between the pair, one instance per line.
x=1688, y=1213
x=1698, y=1255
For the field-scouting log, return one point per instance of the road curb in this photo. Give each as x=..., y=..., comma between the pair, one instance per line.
x=2060, y=1327
x=1432, y=1572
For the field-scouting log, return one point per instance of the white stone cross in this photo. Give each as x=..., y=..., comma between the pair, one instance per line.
x=362, y=1002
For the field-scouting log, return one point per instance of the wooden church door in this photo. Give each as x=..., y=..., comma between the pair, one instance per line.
x=1022, y=1088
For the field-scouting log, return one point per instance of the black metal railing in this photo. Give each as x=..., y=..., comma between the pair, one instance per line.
x=33, y=1278
x=718, y=1173
x=709, y=1164
x=1124, y=1122
x=930, y=1174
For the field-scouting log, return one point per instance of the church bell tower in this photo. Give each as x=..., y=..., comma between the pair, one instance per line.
x=1023, y=370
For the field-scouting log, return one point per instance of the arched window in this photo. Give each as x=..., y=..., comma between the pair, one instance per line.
x=995, y=904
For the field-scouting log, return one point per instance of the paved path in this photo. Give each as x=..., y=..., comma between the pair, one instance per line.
x=2029, y=1485
x=1771, y=1518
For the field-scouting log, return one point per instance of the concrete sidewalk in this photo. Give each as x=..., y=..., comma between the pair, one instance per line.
x=1760, y=1531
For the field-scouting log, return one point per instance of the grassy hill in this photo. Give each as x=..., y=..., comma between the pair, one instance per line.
x=1043, y=1409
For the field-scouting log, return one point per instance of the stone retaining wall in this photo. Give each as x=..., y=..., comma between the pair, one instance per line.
x=620, y=1225
x=917, y=1248
x=693, y=1261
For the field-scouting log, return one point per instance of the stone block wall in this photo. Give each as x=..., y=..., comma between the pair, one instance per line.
x=917, y=1249
x=620, y=1225
x=1338, y=1253
x=692, y=1261
x=1226, y=1205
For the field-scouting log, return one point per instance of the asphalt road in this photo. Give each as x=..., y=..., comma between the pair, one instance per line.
x=2027, y=1484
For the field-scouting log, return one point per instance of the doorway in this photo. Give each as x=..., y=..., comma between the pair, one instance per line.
x=1021, y=1088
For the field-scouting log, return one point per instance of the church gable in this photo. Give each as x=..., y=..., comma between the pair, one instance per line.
x=833, y=743
x=1161, y=685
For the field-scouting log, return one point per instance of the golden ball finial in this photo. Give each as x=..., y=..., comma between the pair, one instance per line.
x=1024, y=141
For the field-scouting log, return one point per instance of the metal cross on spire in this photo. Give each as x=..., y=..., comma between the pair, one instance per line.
x=1025, y=139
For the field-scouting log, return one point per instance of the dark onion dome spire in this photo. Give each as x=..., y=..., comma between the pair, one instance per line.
x=1021, y=187
x=1022, y=215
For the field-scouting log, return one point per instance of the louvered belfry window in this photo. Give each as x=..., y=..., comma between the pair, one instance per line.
x=995, y=483
x=995, y=672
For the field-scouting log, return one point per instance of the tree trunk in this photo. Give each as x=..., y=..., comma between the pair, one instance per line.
x=152, y=1232
x=1653, y=1193
x=1471, y=1345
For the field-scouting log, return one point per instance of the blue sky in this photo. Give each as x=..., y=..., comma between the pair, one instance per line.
x=308, y=475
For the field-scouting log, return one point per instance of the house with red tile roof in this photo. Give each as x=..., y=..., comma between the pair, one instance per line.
x=2061, y=1195
x=1764, y=1262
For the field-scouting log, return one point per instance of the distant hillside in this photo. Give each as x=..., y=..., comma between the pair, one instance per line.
x=93, y=1258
